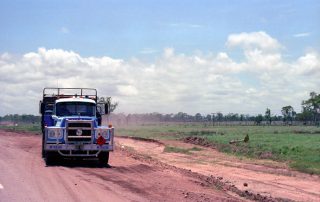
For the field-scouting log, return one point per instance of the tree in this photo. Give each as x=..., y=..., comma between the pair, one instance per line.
x=305, y=116
x=181, y=116
x=219, y=116
x=288, y=114
x=208, y=117
x=268, y=115
x=241, y=117
x=312, y=105
x=231, y=117
x=259, y=119
x=198, y=117
x=104, y=100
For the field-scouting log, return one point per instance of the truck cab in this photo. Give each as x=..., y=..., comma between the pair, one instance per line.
x=71, y=125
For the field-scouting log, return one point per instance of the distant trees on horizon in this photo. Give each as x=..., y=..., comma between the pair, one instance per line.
x=310, y=114
x=24, y=118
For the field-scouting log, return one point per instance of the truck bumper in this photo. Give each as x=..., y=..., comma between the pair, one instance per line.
x=83, y=150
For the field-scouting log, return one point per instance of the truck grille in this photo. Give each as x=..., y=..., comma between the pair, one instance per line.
x=79, y=131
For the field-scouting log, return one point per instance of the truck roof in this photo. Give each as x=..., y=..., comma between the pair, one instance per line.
x=76, y=99
x=56, y=93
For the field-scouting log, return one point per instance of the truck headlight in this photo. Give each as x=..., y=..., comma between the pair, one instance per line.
x=51, y=134
x=103, y=132
x=55, y=133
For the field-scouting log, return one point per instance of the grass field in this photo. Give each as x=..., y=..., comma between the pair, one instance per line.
x=24, y=127
x=299, y=146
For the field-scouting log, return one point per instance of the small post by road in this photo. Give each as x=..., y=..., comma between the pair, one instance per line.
x=212, y=119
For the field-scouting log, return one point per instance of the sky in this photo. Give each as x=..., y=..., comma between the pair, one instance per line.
x=162, y=56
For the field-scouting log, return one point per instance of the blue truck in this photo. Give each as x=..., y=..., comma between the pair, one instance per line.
x=71, y=125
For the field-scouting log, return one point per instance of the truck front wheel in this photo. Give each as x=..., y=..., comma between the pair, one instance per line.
x=50, y=158
x=103, y=158
x=42, y=148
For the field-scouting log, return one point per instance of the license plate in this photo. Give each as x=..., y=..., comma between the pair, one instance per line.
x=78, y=147
x=55, y=147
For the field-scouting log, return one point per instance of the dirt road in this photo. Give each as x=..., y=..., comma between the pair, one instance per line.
x=24, y=177
x=141, y=171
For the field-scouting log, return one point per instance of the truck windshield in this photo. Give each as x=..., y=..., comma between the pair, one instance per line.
x=75, y=109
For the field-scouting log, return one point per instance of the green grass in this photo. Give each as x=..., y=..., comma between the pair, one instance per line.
x=299, y=146
x=24, y=127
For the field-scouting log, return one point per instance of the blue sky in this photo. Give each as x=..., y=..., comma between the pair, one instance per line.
x=200, y=56
x=125, y=29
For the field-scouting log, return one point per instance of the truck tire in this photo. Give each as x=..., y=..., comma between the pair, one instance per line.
x=50, y=158
x=103, y=159
x=42, y=148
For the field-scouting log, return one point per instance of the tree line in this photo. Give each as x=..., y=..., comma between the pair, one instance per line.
x=24, y=118
x=310, y=111
x=309, y=115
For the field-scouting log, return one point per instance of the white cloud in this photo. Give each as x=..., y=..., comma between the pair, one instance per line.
x=303, y=34
x=172, y=82
x=308, y=64
x=168, y=52
x=127, y=90
x=5, y=56
x=260, y=40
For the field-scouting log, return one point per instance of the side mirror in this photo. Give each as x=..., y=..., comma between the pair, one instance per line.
x=106, y=108
x=41, y=107
x=54, y=117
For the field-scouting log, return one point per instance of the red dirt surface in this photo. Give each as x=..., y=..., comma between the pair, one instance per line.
x=132, y=177
x=142, y=171
x=261, y=180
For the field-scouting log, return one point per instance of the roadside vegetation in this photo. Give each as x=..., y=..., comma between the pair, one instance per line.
x=299, y=146
x=23, y=122
x=28, y=127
